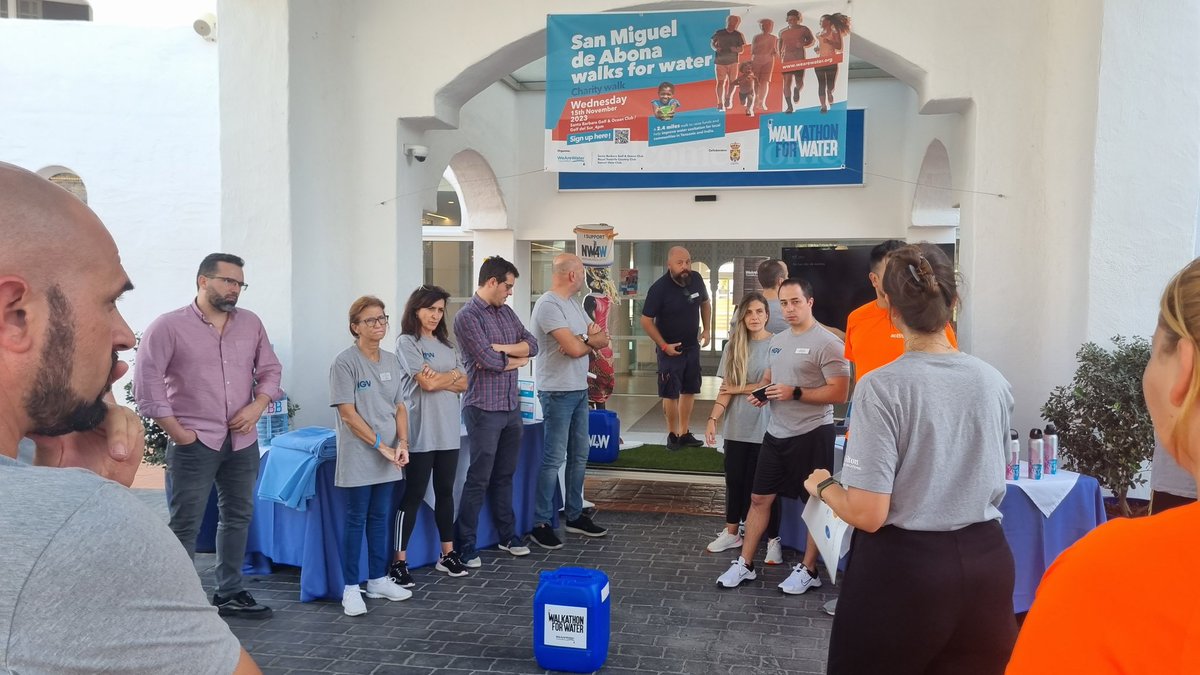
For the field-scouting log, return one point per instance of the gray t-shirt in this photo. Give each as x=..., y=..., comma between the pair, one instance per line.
x=775, y=322
x=931, y=431
x=433, y=416
x=93, y=581
x=807, y=360
x=557, y=371
x=744, y=422
x=374, y=389
x=1167, y=476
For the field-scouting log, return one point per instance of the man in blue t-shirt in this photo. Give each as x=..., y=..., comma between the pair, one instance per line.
x=674, y=305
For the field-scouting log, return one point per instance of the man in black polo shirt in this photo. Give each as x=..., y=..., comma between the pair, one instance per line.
x=674, y=305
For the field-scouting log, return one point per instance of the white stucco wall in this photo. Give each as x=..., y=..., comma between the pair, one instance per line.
x=133, y=111
x=1047, y=97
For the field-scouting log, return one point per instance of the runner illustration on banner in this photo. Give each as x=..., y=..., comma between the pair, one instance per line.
x=691, y=90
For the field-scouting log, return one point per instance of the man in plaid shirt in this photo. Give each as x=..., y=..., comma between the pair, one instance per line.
x=494, y=345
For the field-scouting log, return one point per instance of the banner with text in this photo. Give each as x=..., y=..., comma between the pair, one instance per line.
x=738, y=89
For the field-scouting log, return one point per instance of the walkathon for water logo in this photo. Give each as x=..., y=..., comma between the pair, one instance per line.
x=565, y=626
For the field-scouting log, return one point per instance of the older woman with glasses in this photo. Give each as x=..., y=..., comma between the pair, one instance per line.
x=372, y=447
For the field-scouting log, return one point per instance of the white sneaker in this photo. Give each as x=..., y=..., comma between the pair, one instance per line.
x=352, y=602
x=799, y=581
x=774, y=552
x=737, y=573
x=473, y=562
x=384, y=587
x=724, y=542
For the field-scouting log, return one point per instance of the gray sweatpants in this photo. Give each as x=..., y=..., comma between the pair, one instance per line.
x=193, y=469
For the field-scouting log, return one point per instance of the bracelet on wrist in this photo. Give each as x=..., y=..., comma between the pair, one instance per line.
x=824, y=484
x=377, y=441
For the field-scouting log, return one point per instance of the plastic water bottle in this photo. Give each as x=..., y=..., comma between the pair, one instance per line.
x=1037, y=454
x=273, y=422
x=1013, y=469
x=1051, y=439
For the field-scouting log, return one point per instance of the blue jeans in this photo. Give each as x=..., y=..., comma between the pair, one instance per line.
x=367, y=506
x=566, y=424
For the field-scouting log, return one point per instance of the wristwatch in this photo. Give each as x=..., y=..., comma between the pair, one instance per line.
x=584, y=337
x=824, y=484
x=797, y=394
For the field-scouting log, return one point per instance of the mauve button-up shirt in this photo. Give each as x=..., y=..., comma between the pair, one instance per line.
x=187, y=369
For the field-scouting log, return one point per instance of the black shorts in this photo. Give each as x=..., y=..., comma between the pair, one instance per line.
x=785, y=463
x=679, y=374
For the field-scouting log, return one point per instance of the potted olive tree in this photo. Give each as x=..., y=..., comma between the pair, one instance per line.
x=1103, y=425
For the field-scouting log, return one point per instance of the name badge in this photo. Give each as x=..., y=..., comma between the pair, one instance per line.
x=801, y=350
x=385, y=377
x=693, y=296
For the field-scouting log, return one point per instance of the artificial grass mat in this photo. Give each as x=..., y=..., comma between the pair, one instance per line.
x=652, y=457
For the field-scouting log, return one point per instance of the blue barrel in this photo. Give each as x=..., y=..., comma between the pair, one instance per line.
x=572, y=616
x=604, y=436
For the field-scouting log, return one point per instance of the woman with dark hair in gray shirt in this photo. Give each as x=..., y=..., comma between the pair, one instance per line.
x=928, y=588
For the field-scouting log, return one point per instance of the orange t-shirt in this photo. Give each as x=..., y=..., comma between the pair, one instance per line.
x=1124, y=599
x=872, y=341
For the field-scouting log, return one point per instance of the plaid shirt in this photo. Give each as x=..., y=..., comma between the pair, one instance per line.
x=478, y=326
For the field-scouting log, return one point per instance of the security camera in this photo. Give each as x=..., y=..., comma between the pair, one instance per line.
x=206, y=27
x=417, y=152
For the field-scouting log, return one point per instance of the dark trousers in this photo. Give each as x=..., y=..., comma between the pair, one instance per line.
x=741, y=459
x=193, y=469
x=367, y=509
x=495, y=445
x=1164, y=501
x=925, y=602
x=442, y=465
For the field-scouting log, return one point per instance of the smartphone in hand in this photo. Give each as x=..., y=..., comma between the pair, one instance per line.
x=760, y=393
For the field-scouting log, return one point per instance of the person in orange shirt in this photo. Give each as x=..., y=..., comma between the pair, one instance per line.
x=1082, y=622
x=872, y=340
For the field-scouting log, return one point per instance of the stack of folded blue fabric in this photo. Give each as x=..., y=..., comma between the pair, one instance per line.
x=290, y=476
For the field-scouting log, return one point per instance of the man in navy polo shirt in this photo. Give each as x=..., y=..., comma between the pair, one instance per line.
x=675, y=304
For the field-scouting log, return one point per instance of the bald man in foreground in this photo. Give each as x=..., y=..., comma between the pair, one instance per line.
x=92, y=581
x=565, y=338
x=675, y=304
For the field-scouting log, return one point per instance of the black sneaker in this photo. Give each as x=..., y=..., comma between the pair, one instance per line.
x=673, y=443
x=543, y=535
x=451, y=565
x=687, y=440
x=584, y=525
x=241, y=605
x=398, y=573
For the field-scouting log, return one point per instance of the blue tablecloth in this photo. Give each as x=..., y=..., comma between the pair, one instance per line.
x=1035, y=540
x=311, y=539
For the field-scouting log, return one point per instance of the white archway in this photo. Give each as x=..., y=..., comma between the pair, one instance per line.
x=933, y=201
x=483, y=206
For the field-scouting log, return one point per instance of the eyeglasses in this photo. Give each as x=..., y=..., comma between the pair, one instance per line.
x=231, y=282
x=375, y=321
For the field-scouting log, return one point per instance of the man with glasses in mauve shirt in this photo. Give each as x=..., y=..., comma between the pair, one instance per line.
x=206, y=372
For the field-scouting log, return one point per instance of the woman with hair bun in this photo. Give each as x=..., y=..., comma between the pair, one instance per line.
x=928, y=588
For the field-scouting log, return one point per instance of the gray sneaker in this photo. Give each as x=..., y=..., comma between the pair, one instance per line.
x=830, y=607
x=516, y=546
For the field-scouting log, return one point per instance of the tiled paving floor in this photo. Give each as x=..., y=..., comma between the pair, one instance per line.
x=614, y=493
x=668, y=616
